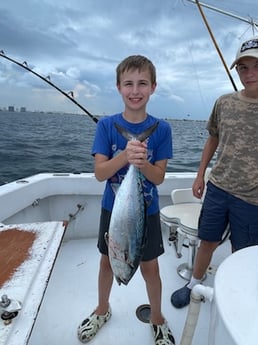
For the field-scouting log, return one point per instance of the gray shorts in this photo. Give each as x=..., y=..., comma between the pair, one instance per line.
x=154, y=242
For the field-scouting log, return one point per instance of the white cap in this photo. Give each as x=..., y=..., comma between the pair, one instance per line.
x=247, y=48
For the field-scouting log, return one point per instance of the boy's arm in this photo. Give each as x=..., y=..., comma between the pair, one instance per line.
x=207, y=154
x=135, y=153
x=105, y=168
x=155, y=173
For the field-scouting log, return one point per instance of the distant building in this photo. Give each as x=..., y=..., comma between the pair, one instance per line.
x=23, y=109
x=11, y=108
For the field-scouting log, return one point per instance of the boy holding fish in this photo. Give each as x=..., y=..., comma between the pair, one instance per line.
x=131, y=141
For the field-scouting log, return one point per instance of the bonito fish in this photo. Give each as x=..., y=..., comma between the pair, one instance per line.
x=127, y=230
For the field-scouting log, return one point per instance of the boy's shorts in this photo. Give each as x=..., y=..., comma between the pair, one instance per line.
x=154, y=243
x=220, y=209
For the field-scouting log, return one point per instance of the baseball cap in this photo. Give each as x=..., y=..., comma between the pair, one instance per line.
x=247, y=48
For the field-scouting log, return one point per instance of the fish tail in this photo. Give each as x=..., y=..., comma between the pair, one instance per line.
x=141, y=137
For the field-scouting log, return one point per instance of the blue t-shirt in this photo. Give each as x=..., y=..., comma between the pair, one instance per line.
x=109, y=142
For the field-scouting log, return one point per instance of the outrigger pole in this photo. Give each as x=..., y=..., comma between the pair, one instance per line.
x=214, y=41
x=250, y=21
x=47, y=80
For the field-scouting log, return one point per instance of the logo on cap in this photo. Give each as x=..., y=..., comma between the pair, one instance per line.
x=251, y=44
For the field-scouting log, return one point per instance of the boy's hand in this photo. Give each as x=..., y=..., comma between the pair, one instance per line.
x=198, y=187
x=136, y=152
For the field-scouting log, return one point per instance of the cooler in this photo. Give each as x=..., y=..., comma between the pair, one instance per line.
x=234, y=315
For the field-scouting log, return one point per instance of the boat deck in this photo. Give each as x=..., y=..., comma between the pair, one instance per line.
x=72, y=295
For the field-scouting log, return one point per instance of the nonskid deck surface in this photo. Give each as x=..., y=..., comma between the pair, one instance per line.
x=72, y=295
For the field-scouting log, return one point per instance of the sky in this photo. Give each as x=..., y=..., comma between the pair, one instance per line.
x=79, y=43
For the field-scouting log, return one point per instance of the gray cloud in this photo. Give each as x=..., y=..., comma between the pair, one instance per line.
x=79, y=44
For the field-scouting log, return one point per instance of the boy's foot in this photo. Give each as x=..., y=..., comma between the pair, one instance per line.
x=162, y=334
x=181, y=297
x=90, y=326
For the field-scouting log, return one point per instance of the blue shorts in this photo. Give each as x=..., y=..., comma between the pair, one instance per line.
x=220, y=209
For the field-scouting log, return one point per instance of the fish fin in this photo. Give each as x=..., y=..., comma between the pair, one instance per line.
x=141, y=137
x=115, y=187
x=127, y=260
x=106, y=237
x=131, y=264
x=119, y=281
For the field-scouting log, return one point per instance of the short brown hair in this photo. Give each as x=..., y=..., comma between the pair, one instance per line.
x=136, y=62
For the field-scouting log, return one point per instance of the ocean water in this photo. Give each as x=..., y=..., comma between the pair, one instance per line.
x=32, y=143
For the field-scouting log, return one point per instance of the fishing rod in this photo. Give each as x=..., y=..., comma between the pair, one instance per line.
x=69, y=94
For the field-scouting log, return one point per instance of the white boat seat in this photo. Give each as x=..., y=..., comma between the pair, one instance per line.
x=182, y=219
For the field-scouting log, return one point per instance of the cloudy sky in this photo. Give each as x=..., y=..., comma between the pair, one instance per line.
x=79, y=43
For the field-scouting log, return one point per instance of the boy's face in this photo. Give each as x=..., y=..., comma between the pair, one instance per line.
x=247, y=69
x=136, y=88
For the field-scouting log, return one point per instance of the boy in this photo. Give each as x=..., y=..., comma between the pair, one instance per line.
x=232, y=190
x=136, y=82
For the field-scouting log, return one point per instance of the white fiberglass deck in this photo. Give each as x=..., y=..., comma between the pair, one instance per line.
x=72, y=295
x=29, y=280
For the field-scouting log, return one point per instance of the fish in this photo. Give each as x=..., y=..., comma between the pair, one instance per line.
x=127, y=230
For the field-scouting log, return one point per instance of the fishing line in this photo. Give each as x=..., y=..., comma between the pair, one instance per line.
x=69, y=94
x=190, y=45
x=195, y=70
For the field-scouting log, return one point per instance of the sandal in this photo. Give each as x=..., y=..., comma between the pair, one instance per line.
x=90, y=326
x=162, y=334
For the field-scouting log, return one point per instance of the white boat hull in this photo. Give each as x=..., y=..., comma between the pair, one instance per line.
x=71, y=292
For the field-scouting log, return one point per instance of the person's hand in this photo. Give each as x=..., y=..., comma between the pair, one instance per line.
x=136, y=152
x=198, y=187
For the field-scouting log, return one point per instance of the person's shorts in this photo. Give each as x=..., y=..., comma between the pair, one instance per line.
x=221, y=209
x=154, y=243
